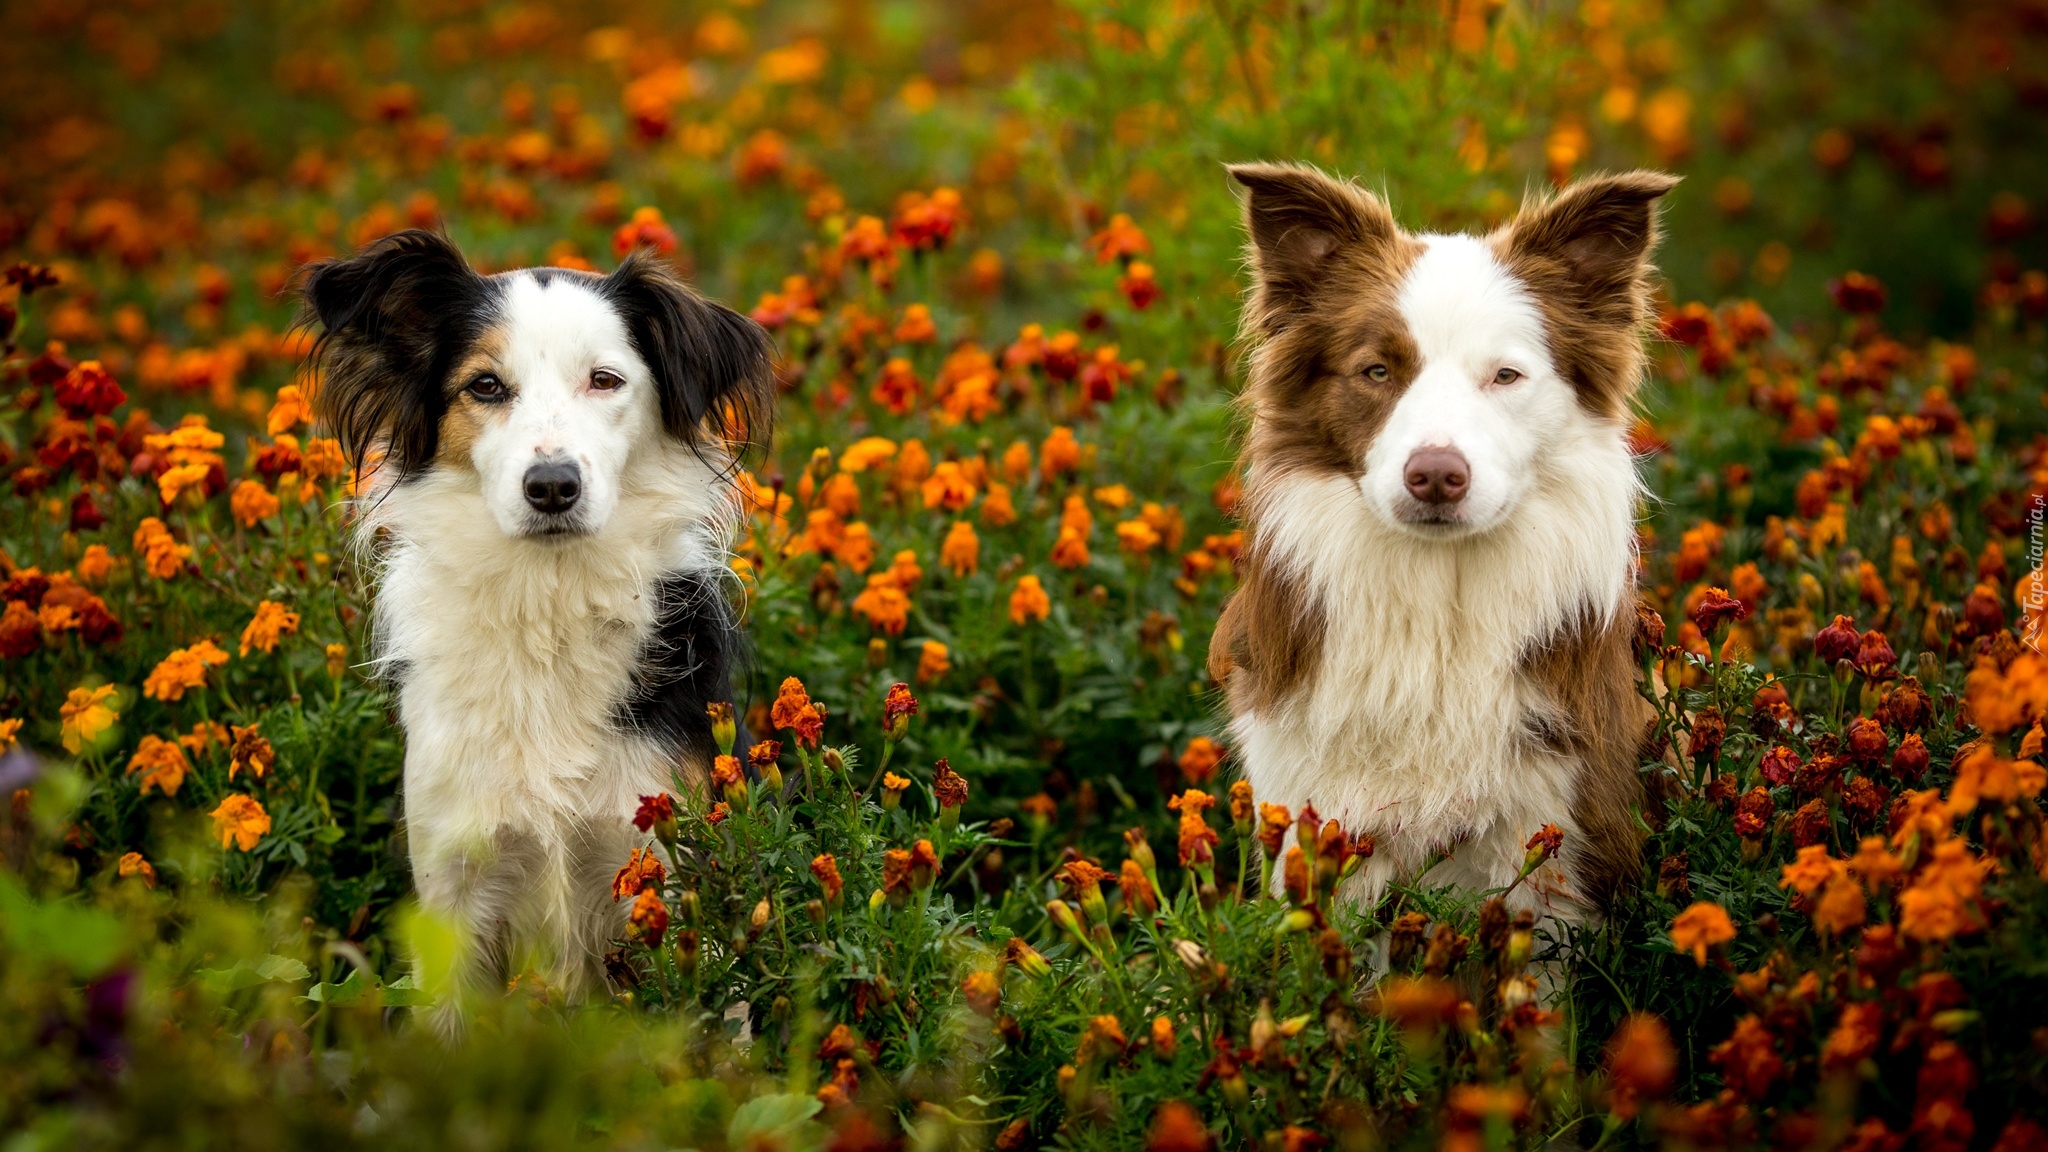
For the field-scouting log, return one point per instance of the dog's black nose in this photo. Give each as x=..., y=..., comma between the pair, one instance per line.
x=553, y=486
x=1437, y=475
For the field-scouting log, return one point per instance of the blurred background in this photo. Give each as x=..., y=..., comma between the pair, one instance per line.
x=207, y=146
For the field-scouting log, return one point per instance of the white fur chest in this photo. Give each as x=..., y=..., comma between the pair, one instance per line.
x=1412, y=725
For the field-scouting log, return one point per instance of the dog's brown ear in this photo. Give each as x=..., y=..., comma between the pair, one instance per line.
x=1300, y=222
x=1594, y=240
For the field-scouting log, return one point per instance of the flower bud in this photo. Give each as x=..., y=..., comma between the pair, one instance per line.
x=897, y=709
x=1140, y=849
x=723, y=729
x=759, y=919
x=815, y=909
x=833, y=761
x=1027, y=959
x=876, y=901
x=1063, y=916
x=878, y=652
x=1298, y=920
x=771, y=780
x=686, y=950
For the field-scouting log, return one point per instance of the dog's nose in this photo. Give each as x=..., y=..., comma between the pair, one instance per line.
x=1437, y=475
x=553, y=486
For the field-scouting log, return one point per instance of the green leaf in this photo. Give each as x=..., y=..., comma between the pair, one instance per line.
x=783, y=1119
x=84, y=940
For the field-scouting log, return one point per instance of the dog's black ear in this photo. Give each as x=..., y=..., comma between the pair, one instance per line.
x=1594, y=240
x=1301, y=222
x=713, y=368
x=393, y=318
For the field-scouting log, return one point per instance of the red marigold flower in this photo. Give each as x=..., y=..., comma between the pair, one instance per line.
x=653, y=810
x=1857, y=293
x=645, y=230
x=1810, y=823
x=89, y=390
x=1837, y=642
x=1867, y=743
x=1911, y=758
x=898, y=706
x=1140, y=899
x=1875, y=658
x=810, y=725
x=1274, y=821
x=642, y=870
x=1779, y=766
x=1542, y=846
x=764, y=753
x=948, y=786
x=1692, y=324
x=1139, y=285
x=1715, y=608
x=1197, y=839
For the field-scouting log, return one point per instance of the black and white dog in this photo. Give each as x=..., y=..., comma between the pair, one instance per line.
x=547, y=461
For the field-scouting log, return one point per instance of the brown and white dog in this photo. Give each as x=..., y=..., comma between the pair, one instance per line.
x=1431, y=638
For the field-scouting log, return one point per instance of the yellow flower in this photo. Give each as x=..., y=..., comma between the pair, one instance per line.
x=176, y=481
x=1137, y=537
x=162, y=764
x=95, y=564
x=866, y=453
x=337, y=660
x=86, y=715
x=184, y=670
x=252, y=503
x=270, y=623
x=240, y=820
x=1115, y=496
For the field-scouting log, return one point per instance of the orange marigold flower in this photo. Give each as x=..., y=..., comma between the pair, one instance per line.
x=1139, y=285
x=94, y=566
x=1176, y=1127
x=1812, y=869
x=270, y=624
x=240, y=820
x=184, y=670
x=1120, y=240
x=898, y=387
x=1075, y=517
x=10, y=733
x=161, y=554
x=1642, y=1064
x=866, y=453
x=983, y=991
x=727, y=775
x=1199, y=759
x=932, y=662
x=132, y=864
x=291, y=410
x=826, y=869
x=1070, y=550
x=883, y=604
x=1197, y=839
x=162, y=764
x=1942, y=901
x=1137, y=537
x=648, y=921
x=960, y=553
x=1749, y=1059
x=1139, y=897
x=1059, y=454
x=642, y=870
x=917, y=326
x=1855, y=1037
x=790, y=700
x=176, y=481
x=997, y=509
x=1840, y=907
x=1028, y=602
x=252, y=503
x=322, y=459
x=1700, y=928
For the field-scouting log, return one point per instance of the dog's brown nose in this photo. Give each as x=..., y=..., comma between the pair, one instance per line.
x=1437, y=475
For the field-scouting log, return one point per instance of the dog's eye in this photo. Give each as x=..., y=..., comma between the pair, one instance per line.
x=1377, y=373
x=487, y=387
x=604, y=380
x=1506, y=376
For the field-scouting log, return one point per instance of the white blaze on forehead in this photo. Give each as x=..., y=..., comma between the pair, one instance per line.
x=556, y=332
x=1465, y=309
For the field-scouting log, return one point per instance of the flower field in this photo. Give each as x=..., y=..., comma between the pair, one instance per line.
x=981, y=877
